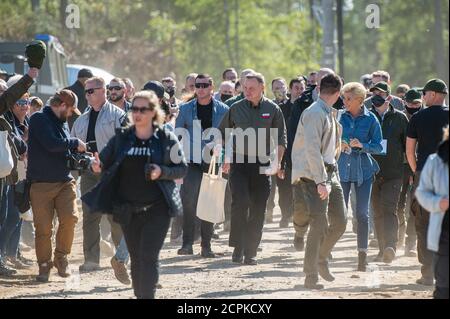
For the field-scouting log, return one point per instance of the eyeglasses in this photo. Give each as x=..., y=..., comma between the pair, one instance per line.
x=115, y=88
x=91, y=91
x=202, y=85
x=142, y=110
x=23, y=102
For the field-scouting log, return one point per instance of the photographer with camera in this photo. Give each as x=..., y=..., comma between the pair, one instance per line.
x=53, y=188
x=96, y=126
x=140, y=166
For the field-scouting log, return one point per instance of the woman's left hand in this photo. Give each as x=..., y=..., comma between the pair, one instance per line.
x=356, y=143
x=156, y=172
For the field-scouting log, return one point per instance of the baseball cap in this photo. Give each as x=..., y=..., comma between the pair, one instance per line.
x=381, y=86
x=435, y=85
x=70, y=98
x=413, y=95
x=85, y=73
x=156, y=87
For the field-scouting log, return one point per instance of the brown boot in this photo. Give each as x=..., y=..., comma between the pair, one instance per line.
x=120, y=271
x=62, y=265
x=44, y=271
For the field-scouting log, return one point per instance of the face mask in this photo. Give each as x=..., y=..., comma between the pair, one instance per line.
x=412, y=111
x=378, y=101
x=225, y=97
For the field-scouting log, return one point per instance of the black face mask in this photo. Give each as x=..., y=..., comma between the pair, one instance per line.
x=225, y=97
x=378, y=101
x=412, y=111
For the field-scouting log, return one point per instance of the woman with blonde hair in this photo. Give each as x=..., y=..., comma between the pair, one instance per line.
x=361, y=137
x=140, y=165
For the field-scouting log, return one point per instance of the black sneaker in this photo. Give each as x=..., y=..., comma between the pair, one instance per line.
x=207, y=253
x=299, y=243
x=186, y=250
x=251, y=261
x=5, y=271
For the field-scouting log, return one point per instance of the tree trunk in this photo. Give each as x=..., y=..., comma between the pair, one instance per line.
x=441, y=63
x=62, y=13
x=35, y=4
x=236, y=33
x=329, y=50
x=227, y=32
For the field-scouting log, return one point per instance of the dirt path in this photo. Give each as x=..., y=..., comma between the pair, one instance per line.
x=278, y=274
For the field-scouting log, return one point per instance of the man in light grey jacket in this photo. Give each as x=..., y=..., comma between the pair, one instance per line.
x=96, y=126
x=315, y=151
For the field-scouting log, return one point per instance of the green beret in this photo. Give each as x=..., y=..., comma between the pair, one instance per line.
x=35, y=53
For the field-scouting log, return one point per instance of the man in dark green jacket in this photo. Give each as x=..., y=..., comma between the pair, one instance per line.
x=388, y=183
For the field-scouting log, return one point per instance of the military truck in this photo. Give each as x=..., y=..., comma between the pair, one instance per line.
x=53, y=74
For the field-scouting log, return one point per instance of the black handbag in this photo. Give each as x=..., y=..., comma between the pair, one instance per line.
x=22, y=196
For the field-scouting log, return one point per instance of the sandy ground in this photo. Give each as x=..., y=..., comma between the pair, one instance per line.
x=278, y=274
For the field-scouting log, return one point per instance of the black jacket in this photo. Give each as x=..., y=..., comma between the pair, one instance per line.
x=102, y=197
x=78, y=89
x=49, y=144
x=394, y=127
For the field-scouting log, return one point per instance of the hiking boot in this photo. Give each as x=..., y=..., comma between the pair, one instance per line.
x=207, y=253
x=238, y=256
x=284, y=222
x=325, y=273
x=5, y=271
x=425, y=281
x=362, y=261
x=311, y=282
x=120, y=271
x=44, y=272
x=299, y=243
x=185, y=250
x=16, y=263
x=89, y=266
x=61, y=264
x=388, y=255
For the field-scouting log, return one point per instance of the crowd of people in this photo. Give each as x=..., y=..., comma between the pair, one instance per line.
x=326, y=146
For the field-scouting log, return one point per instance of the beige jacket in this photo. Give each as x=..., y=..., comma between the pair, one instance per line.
x=312, y=138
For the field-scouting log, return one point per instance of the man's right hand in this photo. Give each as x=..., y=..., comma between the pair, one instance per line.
x=323, y=191
x=81, y=146
x=226, y=168
x=33, y=73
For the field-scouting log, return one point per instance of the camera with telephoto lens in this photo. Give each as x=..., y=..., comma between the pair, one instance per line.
x=79, y=161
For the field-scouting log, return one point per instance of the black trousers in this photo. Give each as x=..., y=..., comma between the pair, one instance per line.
x=249, y=193
x=285, y=195
x=422, y=218
x=145, y=236
x=385, y=196
x=441, y=274
x=189, y=196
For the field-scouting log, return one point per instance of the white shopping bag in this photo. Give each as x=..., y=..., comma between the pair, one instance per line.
x=210, y=205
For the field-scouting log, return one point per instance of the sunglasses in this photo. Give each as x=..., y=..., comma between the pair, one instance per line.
x=142, y=110
x=23, y=102
x=202, y=85
x=91, y=91
x=115, y=88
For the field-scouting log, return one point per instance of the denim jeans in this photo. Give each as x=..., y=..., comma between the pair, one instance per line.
x=354, y=219
x=362, y=193
x=122, y=254
x=10, y=231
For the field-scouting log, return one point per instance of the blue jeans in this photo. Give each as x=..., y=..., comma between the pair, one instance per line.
x=353, y=205
x=12, y=225
x=362, y=193
x=122, y=254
